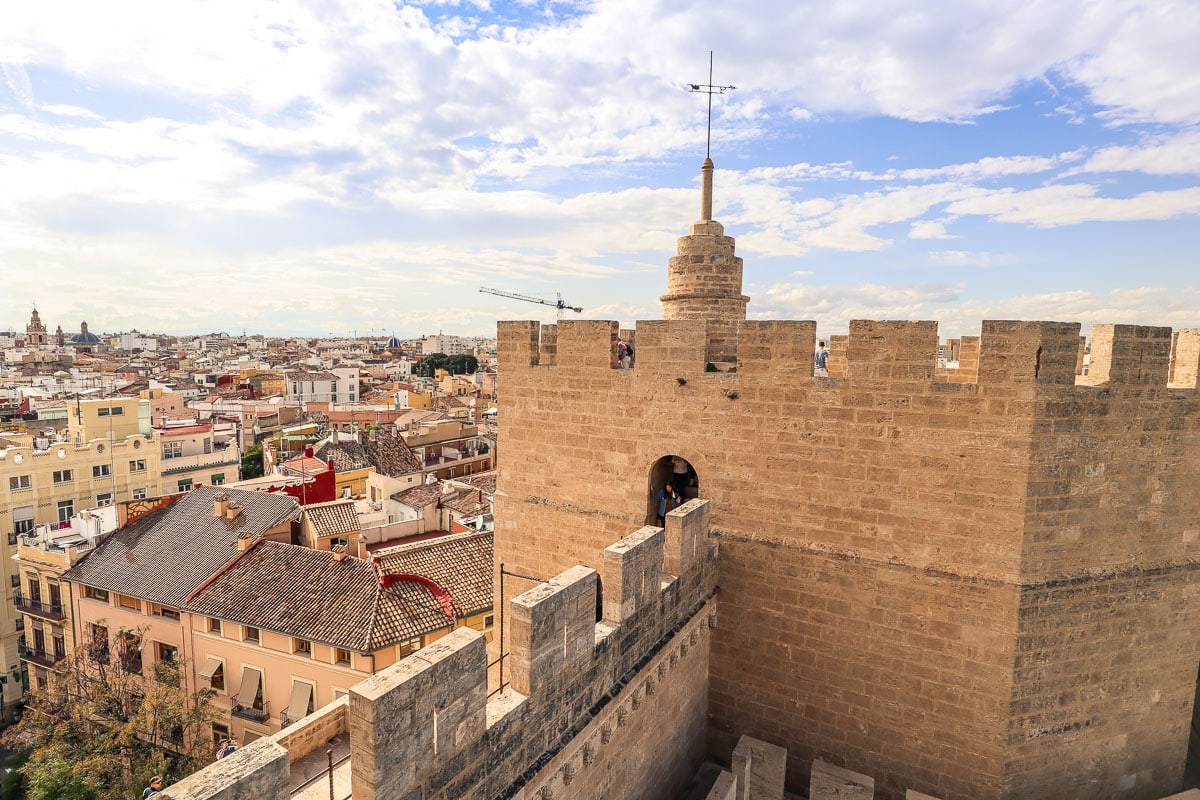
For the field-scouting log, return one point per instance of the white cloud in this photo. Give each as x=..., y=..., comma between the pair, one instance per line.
x=966, y=258
x=927, y=229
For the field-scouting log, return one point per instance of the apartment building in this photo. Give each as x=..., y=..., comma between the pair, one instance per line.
x=192, y=457
x=108, y=454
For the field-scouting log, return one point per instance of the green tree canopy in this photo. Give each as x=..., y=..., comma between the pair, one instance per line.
x=101, y=728
x=456, y=365
x=252, y=462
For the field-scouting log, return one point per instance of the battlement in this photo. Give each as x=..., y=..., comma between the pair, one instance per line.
x=1006, y=353
x=582, y=681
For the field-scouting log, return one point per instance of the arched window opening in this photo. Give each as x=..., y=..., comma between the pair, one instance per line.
x=673, y=481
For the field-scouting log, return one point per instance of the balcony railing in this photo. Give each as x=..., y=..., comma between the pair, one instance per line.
x=52, y=611
x=40, y=657
x=260, y=714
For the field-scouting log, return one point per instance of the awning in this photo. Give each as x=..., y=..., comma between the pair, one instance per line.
x=300, y=701
x=251, y=687
x=211, y=665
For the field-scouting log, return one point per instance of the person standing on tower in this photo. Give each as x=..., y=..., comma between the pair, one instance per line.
x=821, y=360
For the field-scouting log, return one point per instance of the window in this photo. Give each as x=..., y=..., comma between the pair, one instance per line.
x=219, y=733
x=66, y=510
x=138, y=465
x=214, y=673
x=15, y=580
x=112, y=411
x=489, y=620
x=60, y=646
x=63, y=476
x=214, y=625
x=185, y=485
x=23, y=520
x=408, y=648
x=12, y=538
x=168, y=613
x=93, y=593
x=131, y=652
x=139, y=494
x=124, y=601
x=344, y=541
x=250, y=634
x=18, y=482
x=98, y=646
x=301, y=647
x=104, y=499
x=101, y=471
x=166, y=667
x=342, y=656
x=173, y=450
x=218, y=479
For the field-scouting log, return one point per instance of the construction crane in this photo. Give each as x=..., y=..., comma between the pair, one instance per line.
x=559, y=304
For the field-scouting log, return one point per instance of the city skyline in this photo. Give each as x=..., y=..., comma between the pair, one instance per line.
x=310, y=169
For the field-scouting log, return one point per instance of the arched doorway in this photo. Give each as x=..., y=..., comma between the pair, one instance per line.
x=679, y=473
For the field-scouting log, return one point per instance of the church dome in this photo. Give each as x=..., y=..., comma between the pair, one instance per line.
x=85, y=336
x=393, y=343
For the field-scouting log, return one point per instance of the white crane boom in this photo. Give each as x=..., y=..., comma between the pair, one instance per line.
x=559, y=304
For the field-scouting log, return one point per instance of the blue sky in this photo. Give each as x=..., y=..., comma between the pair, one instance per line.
x=328, y=167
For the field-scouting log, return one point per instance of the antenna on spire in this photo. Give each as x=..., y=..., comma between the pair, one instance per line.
x=709, y=89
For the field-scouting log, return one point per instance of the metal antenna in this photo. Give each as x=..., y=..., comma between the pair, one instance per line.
x=709, y=89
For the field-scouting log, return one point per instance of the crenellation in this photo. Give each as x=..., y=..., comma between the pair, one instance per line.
x=548, y=351
x=671, y=347
x=686, y=537
x=631, y=576
x=1129, y=355
x=552, y=629
x=417, y=715
x=838, y=346
x=587, y=344
x=517, y=343
x=1020, y=354
x=1185, y=359
x=888, y=350
x=775, y=345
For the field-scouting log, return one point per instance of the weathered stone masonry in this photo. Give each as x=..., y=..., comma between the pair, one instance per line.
x=610, y=708
x=975, y=584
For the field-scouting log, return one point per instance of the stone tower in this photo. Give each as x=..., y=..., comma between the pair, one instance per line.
x=704, y=278
x=35, y=331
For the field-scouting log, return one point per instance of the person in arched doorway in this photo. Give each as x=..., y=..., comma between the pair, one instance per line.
x=680, y=479
x=668, y=499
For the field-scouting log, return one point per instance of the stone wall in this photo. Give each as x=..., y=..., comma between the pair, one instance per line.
x=888, y=538
x=618, y=701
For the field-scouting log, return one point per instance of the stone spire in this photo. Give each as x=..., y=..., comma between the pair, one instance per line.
x=704, y=278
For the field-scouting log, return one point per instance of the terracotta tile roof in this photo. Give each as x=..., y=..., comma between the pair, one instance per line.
x=346, y=456
x=469, y=502
x=418, y=497
x=481, y=480
x=305, y=593
x=461, y=563
x=165, y=555
x=390, y=454
x=334, y=518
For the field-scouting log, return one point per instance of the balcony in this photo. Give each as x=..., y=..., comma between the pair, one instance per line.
x=252, y=713
x=50, y=611
x=40, y=657
x=223, y=457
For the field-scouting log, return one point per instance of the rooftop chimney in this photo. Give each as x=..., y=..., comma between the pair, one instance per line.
x=232, y=509
x=339, y=552
x=219, y=502
x=243, y=541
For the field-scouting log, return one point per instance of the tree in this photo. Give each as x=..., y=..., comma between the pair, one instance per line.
x=101, y=728
x=456, y=365
x=252, y=462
